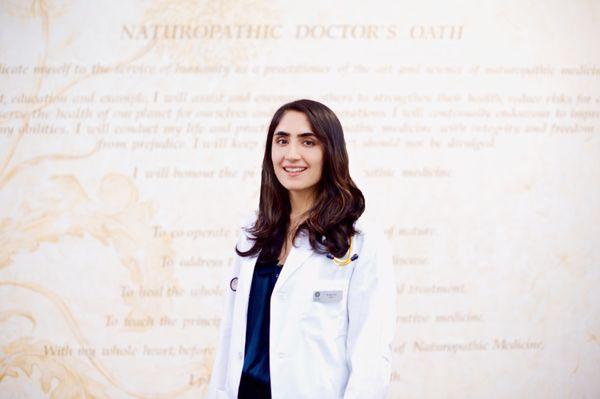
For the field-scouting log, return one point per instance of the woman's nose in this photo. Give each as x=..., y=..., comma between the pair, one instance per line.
x=292, y=151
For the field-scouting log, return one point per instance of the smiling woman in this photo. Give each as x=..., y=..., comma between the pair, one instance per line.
x=311, y=296
x=297, y=157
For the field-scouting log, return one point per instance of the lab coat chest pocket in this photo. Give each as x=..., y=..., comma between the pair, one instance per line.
x=325, y=313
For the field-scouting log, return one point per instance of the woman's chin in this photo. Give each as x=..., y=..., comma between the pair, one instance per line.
x=299, y=189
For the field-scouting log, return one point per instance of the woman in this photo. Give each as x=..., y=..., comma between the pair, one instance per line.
x=311, y=300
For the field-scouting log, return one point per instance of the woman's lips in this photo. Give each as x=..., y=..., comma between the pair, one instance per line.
x=294, y=171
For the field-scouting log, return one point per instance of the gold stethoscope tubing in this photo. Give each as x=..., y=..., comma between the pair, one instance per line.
x=346, y=260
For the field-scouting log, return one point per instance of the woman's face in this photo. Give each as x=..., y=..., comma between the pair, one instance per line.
x=296, y=153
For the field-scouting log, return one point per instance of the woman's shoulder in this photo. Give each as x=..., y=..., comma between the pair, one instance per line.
x=369, y=223
x=372, y=240
x=248, y=219
x=245, y=222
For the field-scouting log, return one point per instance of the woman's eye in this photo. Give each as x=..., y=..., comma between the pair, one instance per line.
x=309, y=143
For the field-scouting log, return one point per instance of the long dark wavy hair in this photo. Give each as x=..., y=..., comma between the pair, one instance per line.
x=338, y=203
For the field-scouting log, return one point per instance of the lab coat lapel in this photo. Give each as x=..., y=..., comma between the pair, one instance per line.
x=296, y=258
x=245, y=278
x=246, y=272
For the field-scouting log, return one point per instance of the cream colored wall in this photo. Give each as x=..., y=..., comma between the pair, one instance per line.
x=127, y=162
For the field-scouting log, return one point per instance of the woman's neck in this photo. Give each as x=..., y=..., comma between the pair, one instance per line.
x=300, y=203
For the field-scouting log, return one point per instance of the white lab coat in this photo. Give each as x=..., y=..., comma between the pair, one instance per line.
x=339, y=349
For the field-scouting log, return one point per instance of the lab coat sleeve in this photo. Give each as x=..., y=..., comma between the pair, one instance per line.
x=219, y=369
x=371, y=319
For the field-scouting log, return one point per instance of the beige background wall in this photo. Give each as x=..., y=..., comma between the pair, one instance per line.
x=131, y=138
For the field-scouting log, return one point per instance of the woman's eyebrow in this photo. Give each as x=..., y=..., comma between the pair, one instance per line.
x=286, y=134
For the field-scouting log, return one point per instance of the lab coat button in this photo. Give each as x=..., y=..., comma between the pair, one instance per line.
x=280, y=355
x=240, y=355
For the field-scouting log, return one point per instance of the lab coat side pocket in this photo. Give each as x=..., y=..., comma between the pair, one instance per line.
x=325, y=315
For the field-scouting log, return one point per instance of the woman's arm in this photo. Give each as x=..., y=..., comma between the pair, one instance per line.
x=371, y=318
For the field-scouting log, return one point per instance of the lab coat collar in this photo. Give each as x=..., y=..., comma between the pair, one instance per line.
x=295, y=259
x=297, y=256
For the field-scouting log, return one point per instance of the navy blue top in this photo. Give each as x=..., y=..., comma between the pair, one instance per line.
x=255, y=382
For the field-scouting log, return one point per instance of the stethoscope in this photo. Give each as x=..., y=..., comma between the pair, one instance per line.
x=347, y=259
x=338, y=261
